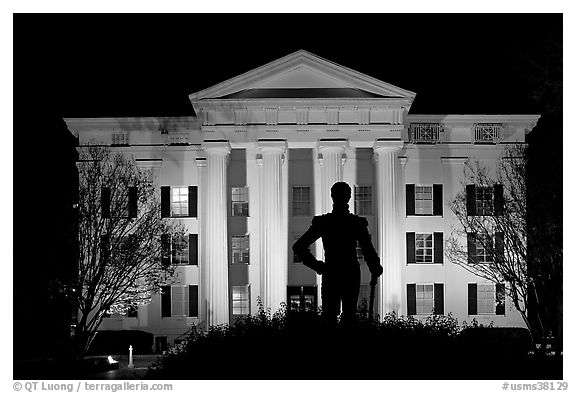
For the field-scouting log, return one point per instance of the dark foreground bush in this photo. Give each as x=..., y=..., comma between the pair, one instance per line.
x=299, y=346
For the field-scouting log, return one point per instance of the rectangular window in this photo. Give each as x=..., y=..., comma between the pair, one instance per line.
x=240, y=201
x=179, y=200
x=241, y=249
x=179, y=303
x=424, y=298
x=300, y=200
x=484, y=201
x=302, y=298
x=423, y=200
x=180, y=250
x=241, y=300
x=120, y=139
x=483, y=248
x=486, y=298
x=363, y=200
x=424, y=248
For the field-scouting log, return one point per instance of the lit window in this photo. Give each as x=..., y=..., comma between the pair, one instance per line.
x=483, y=247
x=424, y=298
x=241, y=249
x=424, y=248
x=120, y=139
x=486, y=298
x=484, y=201
x=179, y=301
x=179, y=199
x=240, y=201
x=180, y=250
x=363, y=200
x=301, y=201
x=423, y=200
x=241, y=300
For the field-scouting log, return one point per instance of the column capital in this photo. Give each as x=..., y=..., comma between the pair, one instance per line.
x=388, y=145
x=216, y=147
x=335, y=145
x=278, y=146
x=201, y=162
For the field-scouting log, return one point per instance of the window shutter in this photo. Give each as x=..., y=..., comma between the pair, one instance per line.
x=410, y=247
x=193, y=300
x=439, y=299
x=105, y=202
x=132, y=202
x=471, y=247
x=104, y=247
x=410, y=200
x=498, y=199
x=438, y=200
x=470, y=199
x=165, y=201
x=192, y=201
x=166, y=302
x=165, y=240
x=411, y=298
x=500, y=299
x=499, y=240
x=193, y=249
x=472, y=299
x=438, y=247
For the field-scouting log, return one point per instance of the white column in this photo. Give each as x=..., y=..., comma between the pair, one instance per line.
x=274, y=224
x=388, y=192
x=215, y=231
x=331, y=157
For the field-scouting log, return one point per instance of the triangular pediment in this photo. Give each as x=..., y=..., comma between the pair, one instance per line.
x=302, y=75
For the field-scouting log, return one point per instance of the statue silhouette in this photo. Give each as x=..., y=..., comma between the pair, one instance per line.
x=340, y=231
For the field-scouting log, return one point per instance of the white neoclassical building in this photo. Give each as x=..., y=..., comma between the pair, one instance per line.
x=248, y=173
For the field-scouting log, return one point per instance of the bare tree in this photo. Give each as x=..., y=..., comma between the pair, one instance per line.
x=120, y=251
x=497, y=234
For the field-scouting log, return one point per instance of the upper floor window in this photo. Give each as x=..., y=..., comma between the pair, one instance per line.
x=363, y=200
x=240, y=201
x=484, y=200
x=180, y=250
x=483, y=248
x=300, y=200
x=119, y=202
x=424, y=200
x=424, y=247
x=241, y=249
x=179, y=201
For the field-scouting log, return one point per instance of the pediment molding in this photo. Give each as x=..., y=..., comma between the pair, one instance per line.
x=302, y=69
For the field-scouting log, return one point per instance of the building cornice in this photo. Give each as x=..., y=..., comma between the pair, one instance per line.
x=82, y=124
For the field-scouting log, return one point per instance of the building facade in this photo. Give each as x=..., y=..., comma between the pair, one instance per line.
x=248, y=173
